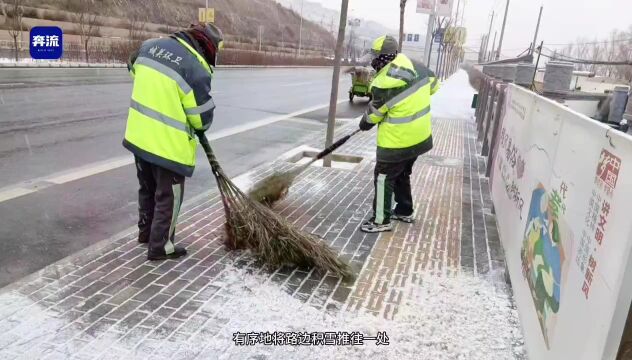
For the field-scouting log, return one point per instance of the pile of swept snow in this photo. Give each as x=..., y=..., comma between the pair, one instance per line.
x=459, y=317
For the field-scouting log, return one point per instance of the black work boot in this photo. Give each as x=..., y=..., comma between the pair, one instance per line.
x=178, y=251
x=143, y=238
x=144, y=228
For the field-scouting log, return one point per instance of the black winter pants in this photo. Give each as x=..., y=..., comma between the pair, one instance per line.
x=159, y=200
x=392, y=179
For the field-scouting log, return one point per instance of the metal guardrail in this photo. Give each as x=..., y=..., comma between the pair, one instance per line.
x=488, y=116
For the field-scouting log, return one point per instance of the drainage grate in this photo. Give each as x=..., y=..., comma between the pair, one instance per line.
x=338, y=161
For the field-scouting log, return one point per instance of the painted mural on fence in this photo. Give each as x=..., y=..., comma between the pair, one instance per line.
x=511, y=166
x=562, y=209
x=543, y=254
x=597, y=215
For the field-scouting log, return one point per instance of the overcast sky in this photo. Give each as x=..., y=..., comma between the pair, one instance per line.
x=563, y=21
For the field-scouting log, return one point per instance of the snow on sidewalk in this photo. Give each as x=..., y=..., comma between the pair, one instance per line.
x=452, y=317
x=454, y=99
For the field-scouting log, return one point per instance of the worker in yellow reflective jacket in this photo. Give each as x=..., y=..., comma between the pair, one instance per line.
x=171, y=102
x=400, y=107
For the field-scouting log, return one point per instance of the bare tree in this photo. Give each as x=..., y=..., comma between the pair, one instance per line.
x=402, y=9
x=624, y=52
x=136, y=27
x=568, y=50
x=616, y=48
x=581, y=51
x=13, y=14
x=87, y=25
x=611, y=51
x=595, y=53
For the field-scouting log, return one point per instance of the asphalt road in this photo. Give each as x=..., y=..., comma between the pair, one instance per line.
x=60, y=138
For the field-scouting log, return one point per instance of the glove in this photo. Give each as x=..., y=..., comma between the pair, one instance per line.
x=365, y=125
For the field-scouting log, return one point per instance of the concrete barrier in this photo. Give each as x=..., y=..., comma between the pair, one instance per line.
x=509, y=73
x=524, y=74
x=618, y=104
x=628, y=109
x=558, y=76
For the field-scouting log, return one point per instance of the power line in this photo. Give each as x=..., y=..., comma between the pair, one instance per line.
x=584, y=61
x=593, y=42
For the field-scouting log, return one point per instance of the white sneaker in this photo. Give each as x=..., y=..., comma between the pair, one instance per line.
x=371, y=227
x=407, y=219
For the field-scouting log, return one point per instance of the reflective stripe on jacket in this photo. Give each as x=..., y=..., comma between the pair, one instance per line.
x=401, y=107
x=171, y=99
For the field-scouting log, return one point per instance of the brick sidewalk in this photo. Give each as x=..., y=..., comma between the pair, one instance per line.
x=109, y=302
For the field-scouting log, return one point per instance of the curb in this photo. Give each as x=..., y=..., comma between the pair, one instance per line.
x=93, y=250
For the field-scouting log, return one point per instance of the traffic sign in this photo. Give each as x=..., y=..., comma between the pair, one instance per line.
x=438, y=38
x=206, y=15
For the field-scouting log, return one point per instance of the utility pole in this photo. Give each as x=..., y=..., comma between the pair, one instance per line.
x=428, y=47
x=537, y=28
x=491, y=52
x=456, y=18
x=439, y=26
x=502, y=32
x=260, y=36
x=439, y=53
x=489, y=36
x=300, y=31
x=537, y=63
x=481, y=50
x=349, y=51
x=335, y=80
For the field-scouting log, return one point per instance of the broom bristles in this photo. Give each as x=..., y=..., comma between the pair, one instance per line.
x=274, y=187
x=251, y=225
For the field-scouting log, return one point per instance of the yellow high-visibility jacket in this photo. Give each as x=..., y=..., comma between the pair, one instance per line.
x=171, y=100
x=400, y=107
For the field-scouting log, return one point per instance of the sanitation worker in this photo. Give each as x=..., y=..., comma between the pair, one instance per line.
x=400, y=107
x=171, y=102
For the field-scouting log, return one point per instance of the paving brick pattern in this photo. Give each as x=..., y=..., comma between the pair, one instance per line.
x=109, y=302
